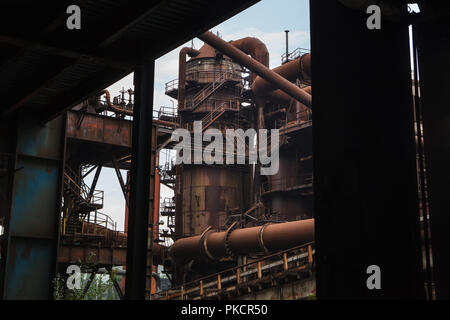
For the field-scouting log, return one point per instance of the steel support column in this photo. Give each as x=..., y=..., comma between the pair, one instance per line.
x=365, y=186
x=138, y=218
x=432, y=41
x=32, y=228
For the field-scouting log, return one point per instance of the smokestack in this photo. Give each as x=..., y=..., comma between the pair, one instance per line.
x=287, y=45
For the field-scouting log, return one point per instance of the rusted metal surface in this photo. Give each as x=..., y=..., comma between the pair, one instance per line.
x=272, y=274
x=100, y=129
x=255, y=48
x=31, y=241
x=296, y=69
x=258, y=68
x=101, y=255
x=182, y=73
x=262, y=239
x=116, y=108
x=207, y=193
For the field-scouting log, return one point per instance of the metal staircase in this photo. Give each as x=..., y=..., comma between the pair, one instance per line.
x=85, y=200
x=167, y=174
x=213, y=116
x=207, y=91
x=168, y=210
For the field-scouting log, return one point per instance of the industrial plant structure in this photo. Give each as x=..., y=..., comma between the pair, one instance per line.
x=378, y=153
x=222, y=217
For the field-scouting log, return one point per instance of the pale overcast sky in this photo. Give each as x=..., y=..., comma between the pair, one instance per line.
x=266, y=20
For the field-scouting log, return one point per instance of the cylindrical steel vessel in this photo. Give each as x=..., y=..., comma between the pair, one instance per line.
x=207, y=193
x=263, y=239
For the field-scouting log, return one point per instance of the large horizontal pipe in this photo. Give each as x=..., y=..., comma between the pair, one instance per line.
x=257, y=67
x=298, y=68
x=262, y=239
x=280, y=97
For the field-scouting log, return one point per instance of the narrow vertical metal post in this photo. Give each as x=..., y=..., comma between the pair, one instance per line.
x=285, y=261
x=287, y=45
x=140, y=183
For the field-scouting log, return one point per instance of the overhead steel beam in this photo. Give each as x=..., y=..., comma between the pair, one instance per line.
x=136, y=16
x=67, y=53
x=79, y=92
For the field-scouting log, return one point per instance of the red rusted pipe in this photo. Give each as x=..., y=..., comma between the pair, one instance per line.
x=113, y=107
x=298, y=68
x=279, y=96
x=186, y=51
x=262, y=239
x=255, y=48
x=272, y=77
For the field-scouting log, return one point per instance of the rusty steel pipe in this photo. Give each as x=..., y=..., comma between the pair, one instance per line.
x=186, y=51
x=262, y=239
x=186, y=249
x=165, y=123
x=272, y=77
x=112, y=106
x=298, y=68
x=255, y=48
x=279, y=96
x=272, y=237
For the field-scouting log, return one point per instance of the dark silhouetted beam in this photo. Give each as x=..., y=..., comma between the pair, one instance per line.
x=138, y=218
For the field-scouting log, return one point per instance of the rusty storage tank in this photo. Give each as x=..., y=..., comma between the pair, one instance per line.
x=209, y=88
x=207, y=194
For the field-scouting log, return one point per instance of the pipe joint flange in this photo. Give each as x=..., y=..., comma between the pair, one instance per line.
x=227, y=237
x=261, y=239
x=303, y=74
x=204, y=243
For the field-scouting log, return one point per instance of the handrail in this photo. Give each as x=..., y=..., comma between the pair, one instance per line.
x=212, y=115
x=240, y=272
x=198, y=75
x=207, y=90
x=294, y=54
x=82, y=189
x=100, y=219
